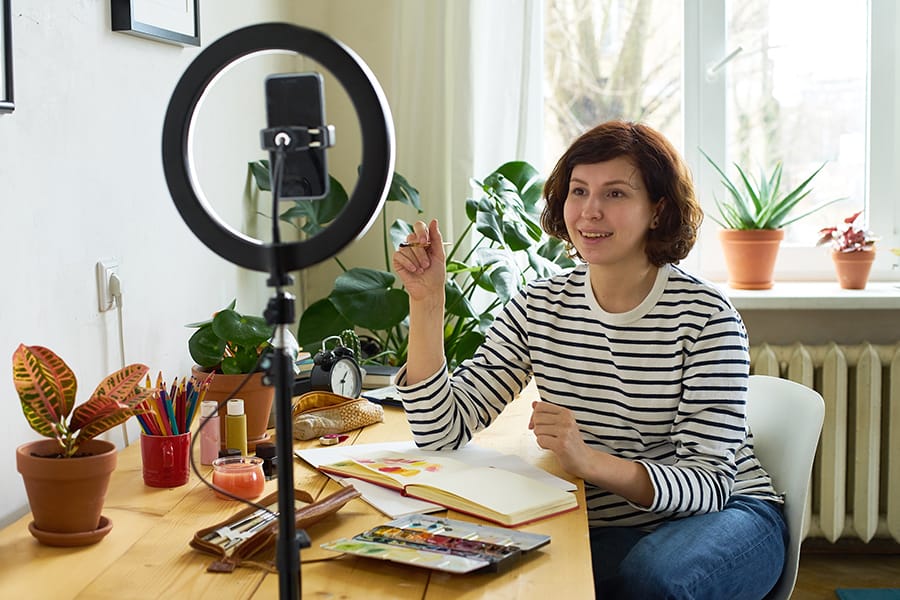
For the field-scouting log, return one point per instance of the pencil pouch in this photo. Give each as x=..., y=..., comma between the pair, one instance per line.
x=321, y=413
x=247, y=538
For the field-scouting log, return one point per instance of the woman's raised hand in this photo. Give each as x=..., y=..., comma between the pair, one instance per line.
x=420, y=262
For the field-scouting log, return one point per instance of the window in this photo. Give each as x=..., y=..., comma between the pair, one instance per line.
x=744, y=82
x=795, y=95
x=603, y=60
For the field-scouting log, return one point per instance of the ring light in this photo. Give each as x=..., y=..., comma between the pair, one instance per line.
x=377, y=147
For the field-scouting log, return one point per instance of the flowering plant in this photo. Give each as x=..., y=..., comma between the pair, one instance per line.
x=848, y=237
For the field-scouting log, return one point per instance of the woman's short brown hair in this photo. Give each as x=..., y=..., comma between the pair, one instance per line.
x=664, y=174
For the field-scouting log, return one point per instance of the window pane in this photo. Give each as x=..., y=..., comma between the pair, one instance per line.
x=611, y=59
x=797, y=93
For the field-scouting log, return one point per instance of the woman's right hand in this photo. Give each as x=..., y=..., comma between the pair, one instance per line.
x=421, y=265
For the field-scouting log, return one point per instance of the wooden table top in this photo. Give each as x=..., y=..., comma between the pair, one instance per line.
x=146, y=555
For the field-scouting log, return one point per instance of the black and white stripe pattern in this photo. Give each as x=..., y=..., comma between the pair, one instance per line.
x=665, y=384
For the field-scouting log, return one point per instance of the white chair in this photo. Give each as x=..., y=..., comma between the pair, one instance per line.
x=786, y=420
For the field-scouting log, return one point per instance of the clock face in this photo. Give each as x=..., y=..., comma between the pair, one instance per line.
x=346, y=378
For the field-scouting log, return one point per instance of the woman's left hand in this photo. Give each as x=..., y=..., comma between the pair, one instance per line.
x=556, y=430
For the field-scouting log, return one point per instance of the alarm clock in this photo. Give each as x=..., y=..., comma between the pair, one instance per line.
x=336, y=370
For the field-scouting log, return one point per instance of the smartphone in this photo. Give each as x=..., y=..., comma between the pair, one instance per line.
x=298, y=99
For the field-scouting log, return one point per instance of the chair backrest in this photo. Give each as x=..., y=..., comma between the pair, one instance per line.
x=786, y=420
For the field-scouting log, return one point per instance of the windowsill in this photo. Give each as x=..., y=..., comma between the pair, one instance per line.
x=813, y=295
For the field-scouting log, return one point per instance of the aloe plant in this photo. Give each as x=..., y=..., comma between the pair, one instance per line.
x=759, y=203
x=47, y=388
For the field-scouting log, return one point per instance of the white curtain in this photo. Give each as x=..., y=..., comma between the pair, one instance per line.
x=463, y=78
x=467, y=97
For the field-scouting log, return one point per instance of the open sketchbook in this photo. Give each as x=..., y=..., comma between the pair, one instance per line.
x=490, y=493
x=442, y=544
x=395, y=505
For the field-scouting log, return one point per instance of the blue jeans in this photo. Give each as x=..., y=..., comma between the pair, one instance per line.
x=736, y=553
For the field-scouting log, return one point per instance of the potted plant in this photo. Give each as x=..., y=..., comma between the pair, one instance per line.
x=852, y=251
x=231, y=346
x=67, y=475
x=752, y=218
x=509, y=249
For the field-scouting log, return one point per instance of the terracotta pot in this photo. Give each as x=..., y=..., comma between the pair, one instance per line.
x=257, y=399
x=853, y=268
x=66, y=495
x=750, y=256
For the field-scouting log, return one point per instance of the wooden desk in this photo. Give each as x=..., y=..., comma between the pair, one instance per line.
x=146, y=555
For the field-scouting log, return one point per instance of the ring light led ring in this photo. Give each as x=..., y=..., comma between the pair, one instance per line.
x=377, y=147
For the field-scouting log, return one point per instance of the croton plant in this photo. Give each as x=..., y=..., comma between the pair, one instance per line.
x=47, y=386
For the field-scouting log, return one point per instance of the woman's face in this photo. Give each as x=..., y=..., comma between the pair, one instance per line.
x=608, y=212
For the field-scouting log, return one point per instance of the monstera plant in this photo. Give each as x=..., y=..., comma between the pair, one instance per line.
x=485, y=267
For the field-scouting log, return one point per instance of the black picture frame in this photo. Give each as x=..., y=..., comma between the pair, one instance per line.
x=126, y=17
x=7, y=105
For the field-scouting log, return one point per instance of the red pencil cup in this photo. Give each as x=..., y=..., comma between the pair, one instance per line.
x=165, y=459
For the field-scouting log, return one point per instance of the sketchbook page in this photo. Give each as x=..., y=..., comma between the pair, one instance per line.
x=471, y=454
x=404, y=468
x=494, y=494
x=389, y=502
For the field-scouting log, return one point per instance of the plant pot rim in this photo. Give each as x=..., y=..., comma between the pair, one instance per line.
x=197, y=368
x=96, y=447
x=752, y=233
x=853, y=251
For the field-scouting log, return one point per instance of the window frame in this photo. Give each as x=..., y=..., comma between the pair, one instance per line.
x=704, y=105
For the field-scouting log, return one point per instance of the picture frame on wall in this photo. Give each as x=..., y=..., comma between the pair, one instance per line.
x=6, y=62
x=172, y=21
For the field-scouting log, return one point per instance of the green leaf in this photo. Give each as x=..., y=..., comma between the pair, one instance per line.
x=317, y=214
x=516, y=235
x=243, y=330
x=399, y=230
x=542, y=266
x=554, y=250
x=366, y=298
x=455, y=302
x=472, y=207
x=528, y=183
x=260, y=172
x=206, y=348
x=466, y=346
x=488, y=225
x=401, y=191
x=320, y=320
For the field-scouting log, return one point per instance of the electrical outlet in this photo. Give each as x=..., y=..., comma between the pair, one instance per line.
x=106, y=268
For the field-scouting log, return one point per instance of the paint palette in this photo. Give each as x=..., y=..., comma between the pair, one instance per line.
x=441, y=544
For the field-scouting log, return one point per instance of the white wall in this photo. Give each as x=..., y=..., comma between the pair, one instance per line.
x=81, y=179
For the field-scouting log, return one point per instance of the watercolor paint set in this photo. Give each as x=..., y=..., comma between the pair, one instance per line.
x=441, y=544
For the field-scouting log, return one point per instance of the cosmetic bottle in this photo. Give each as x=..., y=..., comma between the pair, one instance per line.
x=236, y=426
x=209, y=432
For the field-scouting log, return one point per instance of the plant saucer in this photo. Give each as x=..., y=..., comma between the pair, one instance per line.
x=80, y=538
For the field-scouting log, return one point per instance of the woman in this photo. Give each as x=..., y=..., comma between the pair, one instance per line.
x=642, y=371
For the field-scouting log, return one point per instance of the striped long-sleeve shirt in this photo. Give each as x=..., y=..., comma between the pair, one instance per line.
x=664, y=384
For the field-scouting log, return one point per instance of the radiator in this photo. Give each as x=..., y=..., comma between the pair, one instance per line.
x=855, y=488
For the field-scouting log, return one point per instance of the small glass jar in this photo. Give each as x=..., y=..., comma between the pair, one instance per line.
x=239, y=475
